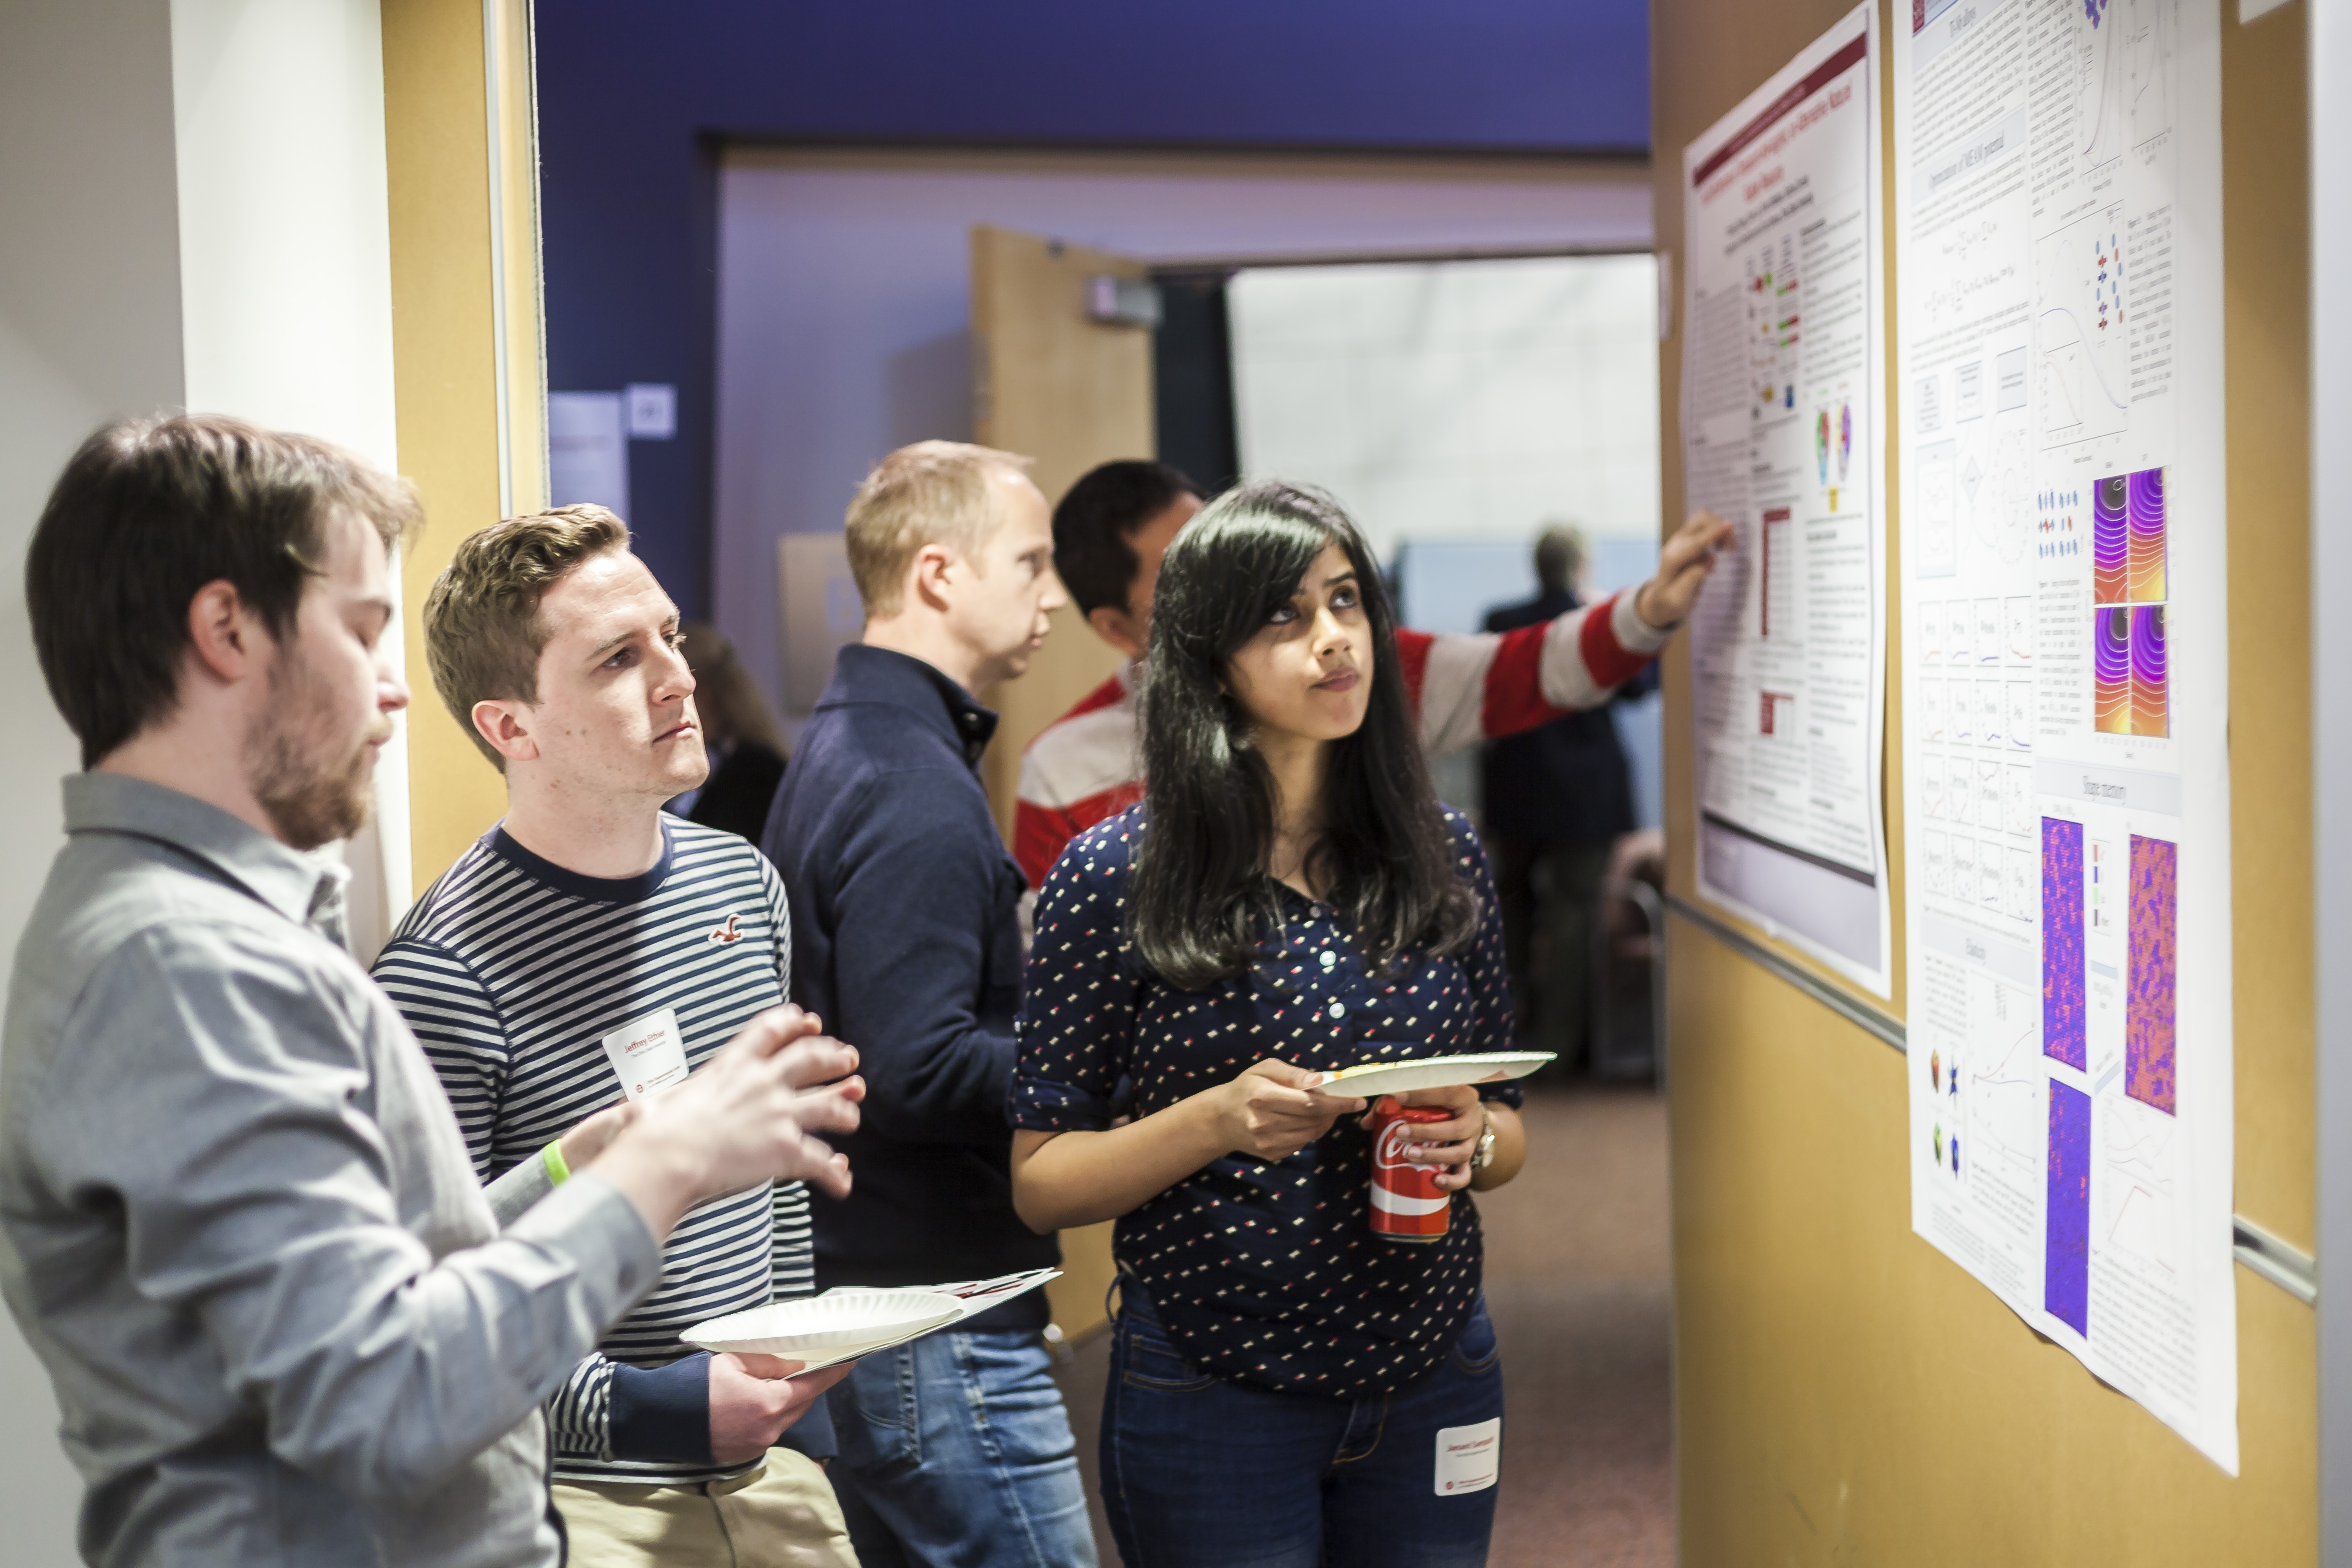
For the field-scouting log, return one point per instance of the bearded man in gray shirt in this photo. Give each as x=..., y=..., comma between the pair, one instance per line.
x=237, y=1222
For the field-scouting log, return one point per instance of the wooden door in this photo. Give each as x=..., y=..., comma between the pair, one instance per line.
x=1053, y=384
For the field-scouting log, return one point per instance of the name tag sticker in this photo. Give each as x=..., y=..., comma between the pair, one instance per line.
x=647, y=1053
x=1468, y=1457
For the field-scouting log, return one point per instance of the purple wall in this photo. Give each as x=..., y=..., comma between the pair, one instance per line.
x=633, y=99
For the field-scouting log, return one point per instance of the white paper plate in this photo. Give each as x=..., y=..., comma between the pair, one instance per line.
x=1369, y=1081
x=819, y=1330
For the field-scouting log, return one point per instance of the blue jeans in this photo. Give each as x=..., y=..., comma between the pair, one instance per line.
x=1203, y=1472
x=956, y=1453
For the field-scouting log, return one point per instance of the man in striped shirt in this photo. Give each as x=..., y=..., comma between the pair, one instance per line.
x=1114, y=525
x=591, y=946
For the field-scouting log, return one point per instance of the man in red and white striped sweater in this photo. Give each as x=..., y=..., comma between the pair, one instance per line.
x=1109, y=534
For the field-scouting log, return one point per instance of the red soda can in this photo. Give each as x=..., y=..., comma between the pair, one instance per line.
x=1407, y=1203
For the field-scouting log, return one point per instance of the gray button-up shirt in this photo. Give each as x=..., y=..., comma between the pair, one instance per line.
x=239, y=1227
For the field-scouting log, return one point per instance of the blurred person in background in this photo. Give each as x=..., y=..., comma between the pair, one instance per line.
x=1555, y=799
x=744, y=743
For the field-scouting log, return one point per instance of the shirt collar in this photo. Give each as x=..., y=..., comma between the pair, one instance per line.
x=864, y=674
x=633, y=889
x=306, y=888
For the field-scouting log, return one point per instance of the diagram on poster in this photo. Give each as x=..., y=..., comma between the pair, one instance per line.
x=1783, y=406
x=2064, y=682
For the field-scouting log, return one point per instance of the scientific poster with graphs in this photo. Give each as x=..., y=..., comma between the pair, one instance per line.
x=2064, y=679
x=1783, y=421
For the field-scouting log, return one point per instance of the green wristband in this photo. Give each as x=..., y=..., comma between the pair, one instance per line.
x=552, y=1158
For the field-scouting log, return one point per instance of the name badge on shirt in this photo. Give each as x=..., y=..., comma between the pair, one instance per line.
x=1468, y=1457
x=647, y=1053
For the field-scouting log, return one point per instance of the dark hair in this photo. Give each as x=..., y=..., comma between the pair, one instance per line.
x=1201, y=897
x=147, y=513
x=1095, y=522
x=726, y=698
x=1560, y=556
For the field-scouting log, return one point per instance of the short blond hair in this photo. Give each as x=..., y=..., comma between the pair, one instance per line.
x=482, y=631
x=932, y=492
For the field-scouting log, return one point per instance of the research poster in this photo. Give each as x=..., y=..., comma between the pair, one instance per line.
x=1782, y=415
x=2063, y=677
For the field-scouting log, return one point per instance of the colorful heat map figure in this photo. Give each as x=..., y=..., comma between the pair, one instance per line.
x=2066, y=1247
x=2110, y=540
x=2144, y=517
x=1821, y=446
x=2149, y=710
x=2065, y=1013
x=2150, y=1012
x=1845, y=439
x=2111, y=671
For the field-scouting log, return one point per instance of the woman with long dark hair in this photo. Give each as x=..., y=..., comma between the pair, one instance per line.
x=1289, y=899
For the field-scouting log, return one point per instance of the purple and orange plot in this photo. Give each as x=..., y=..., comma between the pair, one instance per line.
x=2111, y=708
x=2066, y=1222
x=2110, y=540
x=2150, y=711
x=2063, y=1008
x=2149, y=1013
x=2146, y=551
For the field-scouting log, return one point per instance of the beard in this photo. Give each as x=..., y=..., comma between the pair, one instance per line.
x=312, y=790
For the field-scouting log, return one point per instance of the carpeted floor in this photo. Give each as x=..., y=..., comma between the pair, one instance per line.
x=1577, y=1270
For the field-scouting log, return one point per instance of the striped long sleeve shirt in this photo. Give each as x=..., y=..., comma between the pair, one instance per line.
x=514, y=973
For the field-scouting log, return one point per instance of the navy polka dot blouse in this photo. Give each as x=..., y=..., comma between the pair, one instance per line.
x=1264, y=1272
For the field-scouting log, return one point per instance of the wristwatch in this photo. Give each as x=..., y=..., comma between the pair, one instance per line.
x=1485, y=1153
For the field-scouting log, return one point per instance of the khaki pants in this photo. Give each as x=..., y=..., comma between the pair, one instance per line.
x=782, y=1515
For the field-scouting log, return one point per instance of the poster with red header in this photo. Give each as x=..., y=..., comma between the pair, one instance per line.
x=1783, y=397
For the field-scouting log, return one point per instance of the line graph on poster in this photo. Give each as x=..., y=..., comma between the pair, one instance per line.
x=2123, y=61
x=2003, y=1097
x=2135, y=1185
x=2152, y=42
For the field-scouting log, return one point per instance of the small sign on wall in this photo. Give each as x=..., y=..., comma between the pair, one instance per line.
x=587, y=450
x=652, y=409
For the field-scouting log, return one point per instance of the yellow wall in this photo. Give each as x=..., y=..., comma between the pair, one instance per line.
x=1843, y=1391
x=447, y=282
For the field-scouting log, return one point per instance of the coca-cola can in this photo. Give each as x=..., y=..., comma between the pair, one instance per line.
x=1407, y=1203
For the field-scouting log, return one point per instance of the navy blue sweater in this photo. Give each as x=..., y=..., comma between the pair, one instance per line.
x=1567, y=779
x=907, y=941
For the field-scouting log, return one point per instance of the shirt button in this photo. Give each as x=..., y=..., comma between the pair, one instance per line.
x=1330, y=959
x=1338, y=1009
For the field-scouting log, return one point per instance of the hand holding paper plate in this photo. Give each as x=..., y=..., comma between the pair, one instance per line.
x=855, y=1320
x=1369, y=1081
